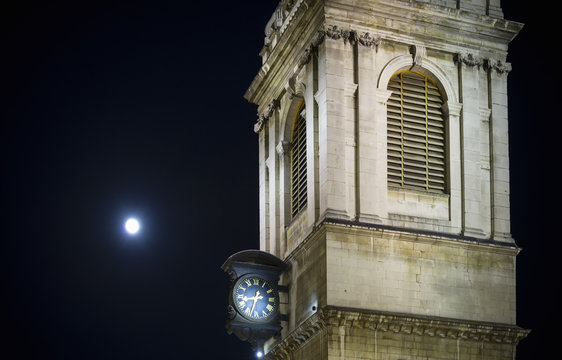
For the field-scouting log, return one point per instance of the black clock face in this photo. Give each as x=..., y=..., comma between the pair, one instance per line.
x=255, y=298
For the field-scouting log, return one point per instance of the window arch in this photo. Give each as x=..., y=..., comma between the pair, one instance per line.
x=298, y=162
x=416, y=157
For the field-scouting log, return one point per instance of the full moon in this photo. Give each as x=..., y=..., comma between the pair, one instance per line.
x=132, y=226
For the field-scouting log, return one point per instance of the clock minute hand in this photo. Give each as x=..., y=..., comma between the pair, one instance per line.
x=255, y=298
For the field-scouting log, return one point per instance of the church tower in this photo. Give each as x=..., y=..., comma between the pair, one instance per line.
x=384, y=179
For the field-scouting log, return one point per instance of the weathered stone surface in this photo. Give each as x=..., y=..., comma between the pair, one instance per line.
x=380, y=270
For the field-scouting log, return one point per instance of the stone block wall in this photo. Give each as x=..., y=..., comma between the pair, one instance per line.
x=407, y=273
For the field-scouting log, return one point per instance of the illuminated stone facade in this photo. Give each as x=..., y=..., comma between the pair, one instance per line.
x=379, y=271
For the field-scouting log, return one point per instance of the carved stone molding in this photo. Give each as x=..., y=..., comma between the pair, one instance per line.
x=368, y=40
x=330, y=319
x=333, y=32
x=469, y=59
x=316, y=40
x=353, y=37
x=265, y=115
x=497, y=65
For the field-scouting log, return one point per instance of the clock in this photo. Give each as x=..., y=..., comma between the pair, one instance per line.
x=255, y=298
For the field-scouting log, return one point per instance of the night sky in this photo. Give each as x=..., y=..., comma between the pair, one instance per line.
x=137, y=108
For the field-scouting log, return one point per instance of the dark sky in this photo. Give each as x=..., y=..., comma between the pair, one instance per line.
x=136, y=108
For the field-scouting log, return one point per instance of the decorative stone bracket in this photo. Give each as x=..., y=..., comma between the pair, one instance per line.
x=472, y=60
x=353, y=37
x=265, y=115
x=418, y=54
x=499, y=66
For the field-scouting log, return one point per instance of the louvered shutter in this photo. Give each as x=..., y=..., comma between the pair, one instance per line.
x=415, y=133
x=298, y=164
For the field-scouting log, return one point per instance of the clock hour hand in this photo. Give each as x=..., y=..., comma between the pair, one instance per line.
x=255, y=298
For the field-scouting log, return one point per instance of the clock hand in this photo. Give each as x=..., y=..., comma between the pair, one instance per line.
x=255, y=298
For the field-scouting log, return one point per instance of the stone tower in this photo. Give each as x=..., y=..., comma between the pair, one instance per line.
x=384, y=178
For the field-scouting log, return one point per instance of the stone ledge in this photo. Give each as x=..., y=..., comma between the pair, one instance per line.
x=329, y=318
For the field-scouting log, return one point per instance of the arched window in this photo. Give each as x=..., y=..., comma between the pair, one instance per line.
x=298, y=162
x=415, y=133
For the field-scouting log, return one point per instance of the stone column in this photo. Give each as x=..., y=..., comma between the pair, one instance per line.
x=499, y=146
x=469, y=66
x=263, y=186
x=332, y=128
x=371, y=135
x=273, y=170
x=485, y=204
x=452, y=111
x=283, y=152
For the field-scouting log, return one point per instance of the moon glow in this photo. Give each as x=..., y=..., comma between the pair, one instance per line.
x=132, y=226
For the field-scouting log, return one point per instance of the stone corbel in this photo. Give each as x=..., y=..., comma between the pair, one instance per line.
x=265, y=115
x=259, y=124
x=418, y=54
x=300, y=85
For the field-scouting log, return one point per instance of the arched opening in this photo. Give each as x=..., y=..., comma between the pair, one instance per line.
x=416, y=133
x=298, y=162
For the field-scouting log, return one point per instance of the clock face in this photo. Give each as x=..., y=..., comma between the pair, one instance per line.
x=255, y=298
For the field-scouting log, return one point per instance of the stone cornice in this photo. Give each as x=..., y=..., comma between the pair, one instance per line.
x=394, y=20
x=423, y=235
x=285, y=56
x=330, y=318
x=423, y=325
x=367, y=23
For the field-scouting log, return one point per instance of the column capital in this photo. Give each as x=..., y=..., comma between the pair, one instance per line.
x=468, y=59
x=498, y=66
x=383, y=95
x=452, y=108
x=266, y=114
